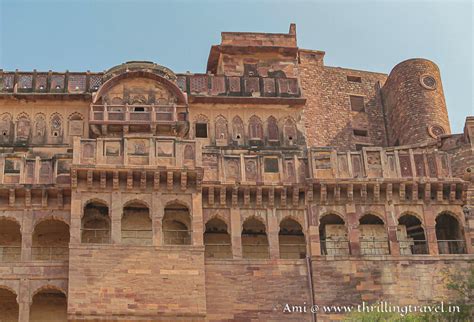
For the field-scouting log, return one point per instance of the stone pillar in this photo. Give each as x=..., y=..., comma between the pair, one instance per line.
x=313, y=231
x=353, y=231
x=115, y=212
x=197, y=219
x=430, y=230
x=431, y=239
x=26, y=235
x=236, y=233
x=392, y=225
x=157, y=212
x=273, y=231
x=24, y=301
x=76, y=215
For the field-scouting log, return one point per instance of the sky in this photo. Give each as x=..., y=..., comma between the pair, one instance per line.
x=368, y=35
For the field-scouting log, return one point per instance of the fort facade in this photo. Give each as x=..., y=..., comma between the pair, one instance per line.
x=142, y=194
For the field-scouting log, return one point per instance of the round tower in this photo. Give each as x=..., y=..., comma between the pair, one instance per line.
x=414, y=103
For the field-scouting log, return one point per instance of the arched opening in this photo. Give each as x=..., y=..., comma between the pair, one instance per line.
x=449, y=235
x=289, y=132
x=255, y=129
x=373, y=236
x=177, y=225
x=136, y=225
x=96, y=224
x=221, y=131
x=50, y=241
x=217, y=239
x=333, y=235
x=411, y=236
x=238, y=130
x=254, y=239
x=10, y=240
x=291, y=240
x=8, y=306
x=272, y=129
x=49, y=305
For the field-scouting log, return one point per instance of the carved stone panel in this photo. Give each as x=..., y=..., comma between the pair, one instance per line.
x=251, y=169
x=232, y=169
x=210, y=164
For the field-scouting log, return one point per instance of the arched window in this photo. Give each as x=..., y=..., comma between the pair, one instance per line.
x=9, y=308
x=373, y=236
x=49, y=305
x=221, y=132
x=255, y=128
x=272, y=129
x=449, y=235
x=289, y=132
x=217, y=239
x=56, y=125
x=238, y=130
x=23, y=127
x=136, y=225
x=177, y=225
x=291, y=240
x=254, y=239
x=411, y=236
x=50, y=241
x=96, y=224
x=10, y=240
x=333, y=235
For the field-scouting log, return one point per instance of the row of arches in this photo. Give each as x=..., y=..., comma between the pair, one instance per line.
x=254, y=239
x=374, y=239
x=48, y=304
x=50, y=240
x=273, y=130
x=136, y=224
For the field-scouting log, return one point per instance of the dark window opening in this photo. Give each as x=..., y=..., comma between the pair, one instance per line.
x=201, y=130
x=355, y=79
x=139, y=109
x=271, y=165
x=357, y=103
x=250, y=70
x=360, y=146
x=359, y=132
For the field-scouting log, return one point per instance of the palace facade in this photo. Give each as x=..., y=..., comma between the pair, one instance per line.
x=142, y=194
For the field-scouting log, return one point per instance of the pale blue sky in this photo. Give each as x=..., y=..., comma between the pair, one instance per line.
x=367, y=35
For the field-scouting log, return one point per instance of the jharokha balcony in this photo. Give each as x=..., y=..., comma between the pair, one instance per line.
x=157, y=119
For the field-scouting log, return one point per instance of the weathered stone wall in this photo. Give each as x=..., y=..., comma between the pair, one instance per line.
x=328, y=116
x=117, y=281
x=399, y=281
x=244, y=290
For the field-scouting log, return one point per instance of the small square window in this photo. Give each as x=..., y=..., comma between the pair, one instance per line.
x=357, y=103
x=354, y=79
x=271, y=165
x=359, y=132
x=201, y=130
x=12, y=166
x=139, y=109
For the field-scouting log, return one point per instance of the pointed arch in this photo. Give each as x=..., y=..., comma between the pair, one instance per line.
x=290, y=132
x=220, y=127
x=272, y=129
x=255, y=128
x=238, y=132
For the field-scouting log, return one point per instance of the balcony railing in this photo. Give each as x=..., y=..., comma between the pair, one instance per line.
x=10, y=253
x=292, y=251
x=374, y=247
x=50, y=253
x=142, y=237
x=257, y=251
x=219, y=251
x=452, y=246
x=413, y=247
x=335, y=247
x=177, y=237
x=95, y=236
x=135, y=113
